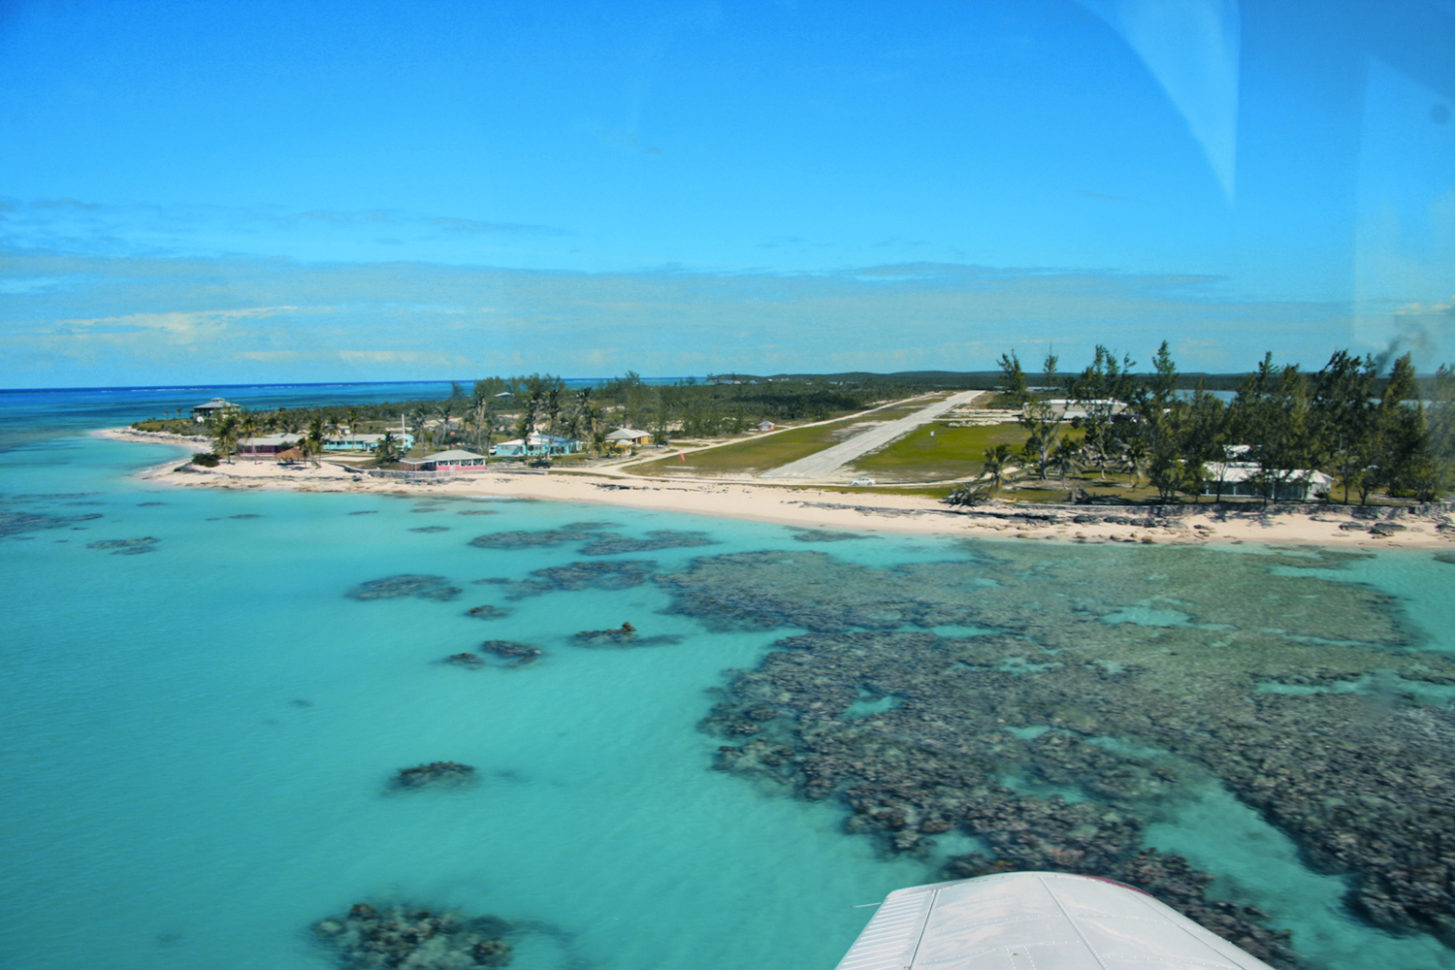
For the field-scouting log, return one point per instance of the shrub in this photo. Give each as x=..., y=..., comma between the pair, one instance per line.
x=206, y=459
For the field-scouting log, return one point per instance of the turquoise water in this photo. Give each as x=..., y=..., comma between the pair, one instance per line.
x=198, y=740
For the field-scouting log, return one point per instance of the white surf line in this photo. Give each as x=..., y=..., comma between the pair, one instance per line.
x=825, y=463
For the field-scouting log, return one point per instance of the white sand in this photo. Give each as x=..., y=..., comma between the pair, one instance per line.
x=860, y=510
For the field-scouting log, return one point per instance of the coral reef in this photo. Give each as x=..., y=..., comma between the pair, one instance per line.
x=405, y=584
x=486, y=612
x=1096, y=701
x=431, y=528
x=414, y=938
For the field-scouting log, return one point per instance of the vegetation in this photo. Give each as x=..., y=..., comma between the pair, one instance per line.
x=1370, y=430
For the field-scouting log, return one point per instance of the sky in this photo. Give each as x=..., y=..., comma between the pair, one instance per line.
x=213, y=192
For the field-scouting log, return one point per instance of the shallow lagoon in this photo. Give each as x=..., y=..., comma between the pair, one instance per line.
x=207, y=731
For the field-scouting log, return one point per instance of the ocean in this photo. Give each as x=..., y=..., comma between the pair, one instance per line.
x=210, y=696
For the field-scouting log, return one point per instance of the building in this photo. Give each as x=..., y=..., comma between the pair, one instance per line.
x=217, y=405
x=367, y=442
x=1246, y=478
x=766, y=425
x=446, y=461
x=536, y=444
x=628, y=438
x=267, y=444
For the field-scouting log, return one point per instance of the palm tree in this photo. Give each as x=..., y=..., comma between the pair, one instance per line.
x=223, y=431
x=417, y=417
x=247, y=425
x=1063, y=458
x=1135, y=453
x=388, y=448
x=996, y=460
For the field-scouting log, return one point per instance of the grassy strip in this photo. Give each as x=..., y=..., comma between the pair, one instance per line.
x=936, y=453
x=756, y=454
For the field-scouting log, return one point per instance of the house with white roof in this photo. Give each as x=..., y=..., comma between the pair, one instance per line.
x=628, y=438
x=536, y=444
x=207, y=409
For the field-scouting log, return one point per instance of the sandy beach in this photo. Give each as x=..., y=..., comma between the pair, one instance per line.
x=865, y=510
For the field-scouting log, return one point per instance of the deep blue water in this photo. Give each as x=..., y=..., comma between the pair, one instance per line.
x=198, y=739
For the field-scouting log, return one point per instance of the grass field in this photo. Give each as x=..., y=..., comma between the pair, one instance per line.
x=759, y=454
x=936, y=453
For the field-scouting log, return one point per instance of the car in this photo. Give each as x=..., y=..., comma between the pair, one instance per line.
x=862, y=481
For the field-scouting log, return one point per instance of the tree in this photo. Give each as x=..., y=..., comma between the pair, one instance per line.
x=1063, y=459
x=223, y=430
x=1440, y=424
x=387, y=450
x=1099, y=392
x=312, y=443
x=1272, y=415
x=417, y=418
x=247, y=425
x=1204, y=441
x=1345, y=416
x=1013, y=380
x=1040, y=417
x=997, y=457
x=1408, y=462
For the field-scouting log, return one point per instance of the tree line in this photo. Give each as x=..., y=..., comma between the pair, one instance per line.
x=494, y=409
x=1370, y=428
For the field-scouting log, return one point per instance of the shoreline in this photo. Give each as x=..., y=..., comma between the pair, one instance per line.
x=1336, y=526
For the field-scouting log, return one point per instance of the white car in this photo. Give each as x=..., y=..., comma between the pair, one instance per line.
x=862, y=481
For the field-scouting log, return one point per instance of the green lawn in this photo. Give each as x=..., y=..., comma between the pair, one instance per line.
x=936, y=452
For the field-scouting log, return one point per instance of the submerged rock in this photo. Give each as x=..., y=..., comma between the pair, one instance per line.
x=611, y=545
x=17, y=523
x=539, y=538
x=486, y=612
x=515, y=654
x=612, y=574
x=463, y=660
x=436, y=774
x=622, y=636
x=405, y=584
x=126, y=547
x=414, y=937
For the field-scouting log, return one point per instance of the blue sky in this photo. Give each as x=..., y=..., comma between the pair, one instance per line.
x=207, y=192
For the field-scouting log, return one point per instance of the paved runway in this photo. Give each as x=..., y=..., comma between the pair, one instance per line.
x=824, y=464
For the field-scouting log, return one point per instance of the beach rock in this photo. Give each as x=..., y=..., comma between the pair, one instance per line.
x=414, y=937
